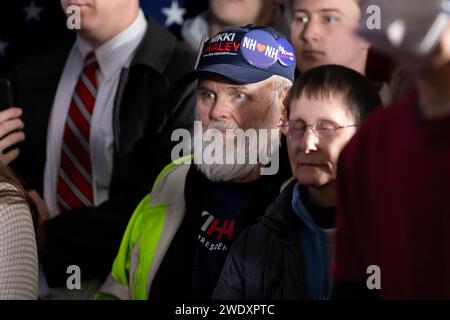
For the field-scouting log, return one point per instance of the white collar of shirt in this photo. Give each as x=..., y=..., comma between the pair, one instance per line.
x=113, y=54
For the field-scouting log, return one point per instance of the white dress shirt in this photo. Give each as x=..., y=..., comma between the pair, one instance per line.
x=112, y=57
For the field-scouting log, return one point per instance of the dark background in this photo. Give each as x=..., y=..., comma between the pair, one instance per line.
x=24, y=37
x=21, y=37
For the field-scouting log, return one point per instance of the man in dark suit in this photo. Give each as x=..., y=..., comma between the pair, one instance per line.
x=98, y=115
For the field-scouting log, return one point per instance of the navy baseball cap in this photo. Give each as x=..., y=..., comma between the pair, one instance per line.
x=247, y=54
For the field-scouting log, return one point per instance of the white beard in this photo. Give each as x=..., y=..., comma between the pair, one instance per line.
x=218, y=172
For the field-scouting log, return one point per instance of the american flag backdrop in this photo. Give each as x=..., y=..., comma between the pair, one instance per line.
x=28, y=25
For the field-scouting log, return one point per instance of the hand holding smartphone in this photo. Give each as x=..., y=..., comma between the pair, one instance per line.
x=11, y=125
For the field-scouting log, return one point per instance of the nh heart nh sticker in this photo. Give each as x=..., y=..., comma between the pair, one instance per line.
x=259, y=48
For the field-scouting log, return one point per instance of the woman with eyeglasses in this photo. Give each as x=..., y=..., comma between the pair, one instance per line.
x=287, y=254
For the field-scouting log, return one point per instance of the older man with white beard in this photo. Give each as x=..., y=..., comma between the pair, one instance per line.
x=227, y=149
x=179, y=236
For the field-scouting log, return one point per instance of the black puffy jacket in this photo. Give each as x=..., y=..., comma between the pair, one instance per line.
x=265, y=261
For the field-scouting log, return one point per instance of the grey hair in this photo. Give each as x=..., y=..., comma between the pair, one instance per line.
x=280, y=87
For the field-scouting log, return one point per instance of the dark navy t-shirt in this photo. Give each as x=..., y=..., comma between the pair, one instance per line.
x=222, y=206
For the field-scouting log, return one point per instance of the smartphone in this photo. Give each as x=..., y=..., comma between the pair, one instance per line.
x=6, y=96
x=6, y=102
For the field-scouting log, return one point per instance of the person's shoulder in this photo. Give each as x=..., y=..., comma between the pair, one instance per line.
x=279, y=216
x=169, y=185
x=253, y=238
x=396, y=110
x=9, y=192
x=182, y=60
x=49, y=60
x=185, y=52
x=170, y=57
x=380, y=127
x=167, y=190
x=13, y=206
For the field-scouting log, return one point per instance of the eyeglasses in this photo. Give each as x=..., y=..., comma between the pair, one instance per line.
x=323, y=129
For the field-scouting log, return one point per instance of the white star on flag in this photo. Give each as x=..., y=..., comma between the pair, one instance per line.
x=174, y=14
x=33, y=12
x=3, y=46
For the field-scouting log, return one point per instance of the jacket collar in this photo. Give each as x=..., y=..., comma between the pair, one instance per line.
x=280, y=216
x=300, y=209
x=156, y=47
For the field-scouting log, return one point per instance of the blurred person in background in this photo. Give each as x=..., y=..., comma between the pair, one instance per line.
x=393, y=212
x=323, y=32
x=96, y=120
x=223, y=14
x=18, y=237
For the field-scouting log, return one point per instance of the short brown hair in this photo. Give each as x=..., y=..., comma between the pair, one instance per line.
x=359, y=94
x=289, y=3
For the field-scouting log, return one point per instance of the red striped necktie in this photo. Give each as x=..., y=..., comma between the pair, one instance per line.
x=74, y=186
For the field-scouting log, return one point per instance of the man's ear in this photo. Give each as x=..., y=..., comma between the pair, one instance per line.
x=283, y=123
x=284, y=115
x=284, y=96
x=284, y=110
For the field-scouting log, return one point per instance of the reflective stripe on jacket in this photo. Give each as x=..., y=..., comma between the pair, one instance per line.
x=148, y=236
